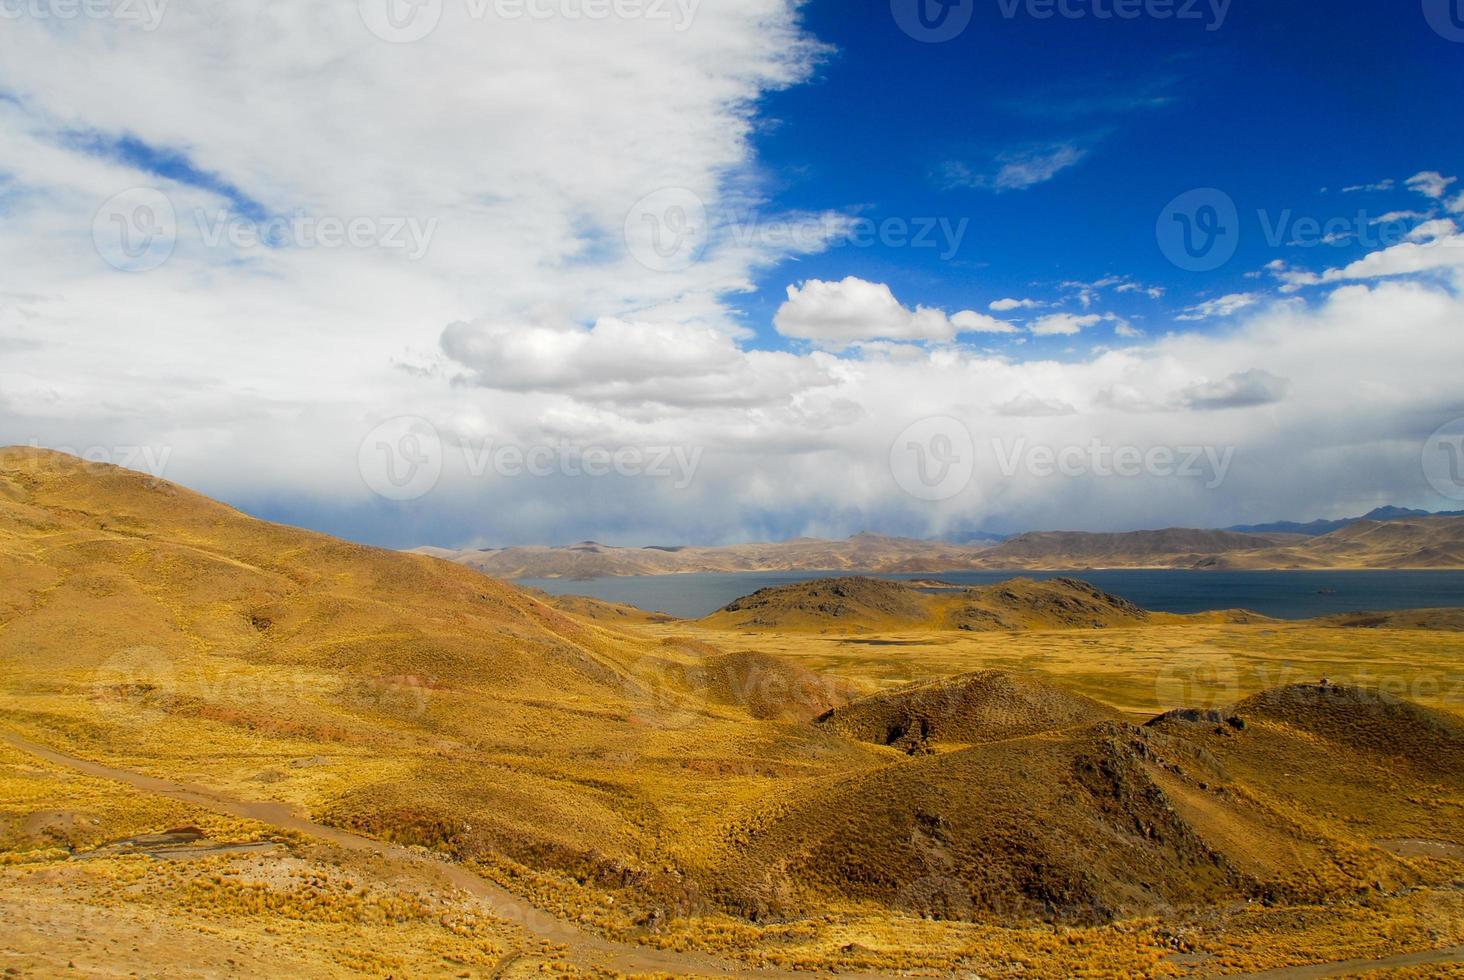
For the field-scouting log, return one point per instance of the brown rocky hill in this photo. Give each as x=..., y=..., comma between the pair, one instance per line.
x=858, y=605
x=988, y=706
x=1070, y=828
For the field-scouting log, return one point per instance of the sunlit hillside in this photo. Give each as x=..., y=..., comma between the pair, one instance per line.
x=271, y=747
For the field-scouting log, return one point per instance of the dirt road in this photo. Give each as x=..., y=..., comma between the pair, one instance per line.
x=584, y=948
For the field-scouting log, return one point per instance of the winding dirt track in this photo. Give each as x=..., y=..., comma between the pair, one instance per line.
x=585, y=949
x=1435, y=957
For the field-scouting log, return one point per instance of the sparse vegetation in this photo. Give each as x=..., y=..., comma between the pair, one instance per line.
x=666, y=785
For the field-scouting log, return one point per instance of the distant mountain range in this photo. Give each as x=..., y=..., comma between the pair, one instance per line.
x=1320, y=527
x=1392, y=539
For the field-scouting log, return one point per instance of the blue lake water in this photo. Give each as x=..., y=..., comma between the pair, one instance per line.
x=1284, y=595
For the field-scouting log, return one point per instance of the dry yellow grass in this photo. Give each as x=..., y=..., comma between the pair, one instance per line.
x=641, y=779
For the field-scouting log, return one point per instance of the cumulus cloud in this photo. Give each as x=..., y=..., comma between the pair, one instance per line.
x=530, y=319
x=842, y=313
x=1007, y=305
x=1432, y=246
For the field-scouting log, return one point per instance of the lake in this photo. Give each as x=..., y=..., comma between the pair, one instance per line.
x=1283, y=595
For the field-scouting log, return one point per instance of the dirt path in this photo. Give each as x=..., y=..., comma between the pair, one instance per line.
x=585, y=949
x=1343, y=967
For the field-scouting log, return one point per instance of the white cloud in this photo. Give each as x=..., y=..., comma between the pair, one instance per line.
x=1382, y=185
x=1244, y=389
x=853, y=310
x=1126, y=329
x=1457, y=204
x=1430, y=183
x=528, y=321
x=1063, y=324
x=1028, y=405
x=1007, y=305
x=1392, y=216
x=1019, y=169
x=1435, y=245
x=1224, y=306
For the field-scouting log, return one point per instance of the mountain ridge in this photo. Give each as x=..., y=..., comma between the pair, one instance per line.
x=1402, y=540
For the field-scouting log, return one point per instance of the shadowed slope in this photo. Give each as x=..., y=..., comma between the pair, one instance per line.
x=983, y=707
x=1068, y=827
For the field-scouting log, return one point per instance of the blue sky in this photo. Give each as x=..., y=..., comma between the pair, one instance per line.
x=351, y=267
x=1281, y=107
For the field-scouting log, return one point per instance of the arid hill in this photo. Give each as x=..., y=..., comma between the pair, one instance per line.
x=859, y=605
x=989, y=706
x=1175, y=547
x=344, y=739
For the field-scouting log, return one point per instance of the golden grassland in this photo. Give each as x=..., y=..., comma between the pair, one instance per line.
x=649, y=782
